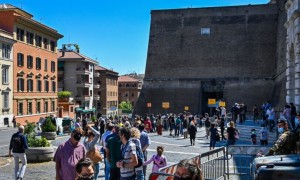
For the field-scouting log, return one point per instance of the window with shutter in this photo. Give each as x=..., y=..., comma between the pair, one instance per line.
x=20, y=59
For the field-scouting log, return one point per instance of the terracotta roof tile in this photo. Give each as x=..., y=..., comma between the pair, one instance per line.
x=127, y=79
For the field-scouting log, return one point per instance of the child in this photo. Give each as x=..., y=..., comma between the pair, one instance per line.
x=158, y=160
x=253, y=136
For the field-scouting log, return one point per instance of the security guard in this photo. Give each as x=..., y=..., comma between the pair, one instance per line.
x=286, y=142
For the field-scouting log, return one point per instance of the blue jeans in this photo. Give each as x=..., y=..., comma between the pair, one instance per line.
x=107, y=169
x=97, y=170
x=140, y=175
x=230, y=142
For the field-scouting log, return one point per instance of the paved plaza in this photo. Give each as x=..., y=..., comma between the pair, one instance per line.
x=176, y=148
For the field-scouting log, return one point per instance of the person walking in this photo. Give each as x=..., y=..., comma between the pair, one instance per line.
x=192, y=131
x=264, y=134
x=232, y=134
x=18, y=145
x=65, y=161
x=213, y=133
x=222, y=127
x=159, y=124
x=159, y=160
x=145, y=142
x=177, y=127
x=89, y=142
x=255, y=113
x=207, y=125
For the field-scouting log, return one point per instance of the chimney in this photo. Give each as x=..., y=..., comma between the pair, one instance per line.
x=63, y=50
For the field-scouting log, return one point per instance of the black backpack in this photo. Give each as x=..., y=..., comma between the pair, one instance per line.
x=140, y=156
x=17, y=143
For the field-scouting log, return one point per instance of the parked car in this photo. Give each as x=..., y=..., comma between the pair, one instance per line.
x=68, y=124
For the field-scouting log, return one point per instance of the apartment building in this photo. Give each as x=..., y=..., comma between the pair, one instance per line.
x=129, y=89
x=76, y=74
x=108, y=92
x=6, y=85
x=35, y=65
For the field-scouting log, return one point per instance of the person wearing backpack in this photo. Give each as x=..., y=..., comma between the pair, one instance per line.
x=18, y=144
x=129, y=159
x=177, y=127
x=135, y=138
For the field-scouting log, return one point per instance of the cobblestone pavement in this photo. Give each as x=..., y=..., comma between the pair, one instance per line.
x=176, y=148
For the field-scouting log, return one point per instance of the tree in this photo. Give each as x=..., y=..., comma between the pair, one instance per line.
x=125, y=106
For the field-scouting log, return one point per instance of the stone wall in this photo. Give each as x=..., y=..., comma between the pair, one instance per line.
x=189, y=48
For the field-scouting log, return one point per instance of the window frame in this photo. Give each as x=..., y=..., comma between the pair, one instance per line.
x=20, y=59
x=5, y=75
x=5, y=100
x=29, y=62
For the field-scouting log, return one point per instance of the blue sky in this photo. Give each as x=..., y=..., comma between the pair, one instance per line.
x=115, y=32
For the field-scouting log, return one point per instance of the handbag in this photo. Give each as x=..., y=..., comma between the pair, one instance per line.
x=236, y=135
x=218, y=137
x=94, y=155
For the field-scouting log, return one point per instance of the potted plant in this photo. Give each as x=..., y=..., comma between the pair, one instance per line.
x=64, y=95
x=48, y=129
x=39, y=149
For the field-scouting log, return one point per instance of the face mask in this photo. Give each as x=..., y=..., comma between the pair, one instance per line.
x=280, y=130
x=77, y=136
x=181, y=178
x=86, y=178
x=253, y=132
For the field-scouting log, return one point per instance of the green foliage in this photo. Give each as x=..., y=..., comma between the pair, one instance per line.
x=125, y=106
x=29, y=128
x=64, y=94
x=48, y=126
x=37, y=142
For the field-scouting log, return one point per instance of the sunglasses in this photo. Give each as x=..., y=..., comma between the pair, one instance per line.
x=86, y=176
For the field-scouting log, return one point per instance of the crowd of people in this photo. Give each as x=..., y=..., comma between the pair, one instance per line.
x=124, y=142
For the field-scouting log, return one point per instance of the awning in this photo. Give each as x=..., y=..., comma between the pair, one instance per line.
x=78, y=109
x=89, y=110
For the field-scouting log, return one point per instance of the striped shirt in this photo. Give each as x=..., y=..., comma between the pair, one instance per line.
x=127, y=151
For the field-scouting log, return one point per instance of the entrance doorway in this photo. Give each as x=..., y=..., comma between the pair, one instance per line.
x=210, y=95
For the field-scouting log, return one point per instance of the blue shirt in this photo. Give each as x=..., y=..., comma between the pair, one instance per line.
x=24, y=142
x=144, y=139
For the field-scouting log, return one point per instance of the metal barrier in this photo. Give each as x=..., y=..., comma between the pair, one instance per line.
x=161, y=176
x=212, y=163
x=242, y=157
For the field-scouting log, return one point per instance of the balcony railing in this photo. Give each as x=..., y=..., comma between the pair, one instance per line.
x=97, y=85
x=96, y=97
x=83, y=70
x=96, y=74
x=83, y=84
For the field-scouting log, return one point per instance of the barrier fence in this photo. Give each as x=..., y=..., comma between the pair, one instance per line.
x=212, y=163
x=242, y=157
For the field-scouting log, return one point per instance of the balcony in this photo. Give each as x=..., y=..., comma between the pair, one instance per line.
x=83, y=84
x=83, y=97
x=96, y=74
x=83, y=70
x=96, y=97
x=96, y=85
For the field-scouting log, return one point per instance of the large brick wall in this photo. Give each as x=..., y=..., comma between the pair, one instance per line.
x=241, y=51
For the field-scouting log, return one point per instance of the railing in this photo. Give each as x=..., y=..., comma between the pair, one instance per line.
x=213, y=164
x=242, y=157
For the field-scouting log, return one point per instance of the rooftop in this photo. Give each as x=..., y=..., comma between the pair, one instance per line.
x=127, y=79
